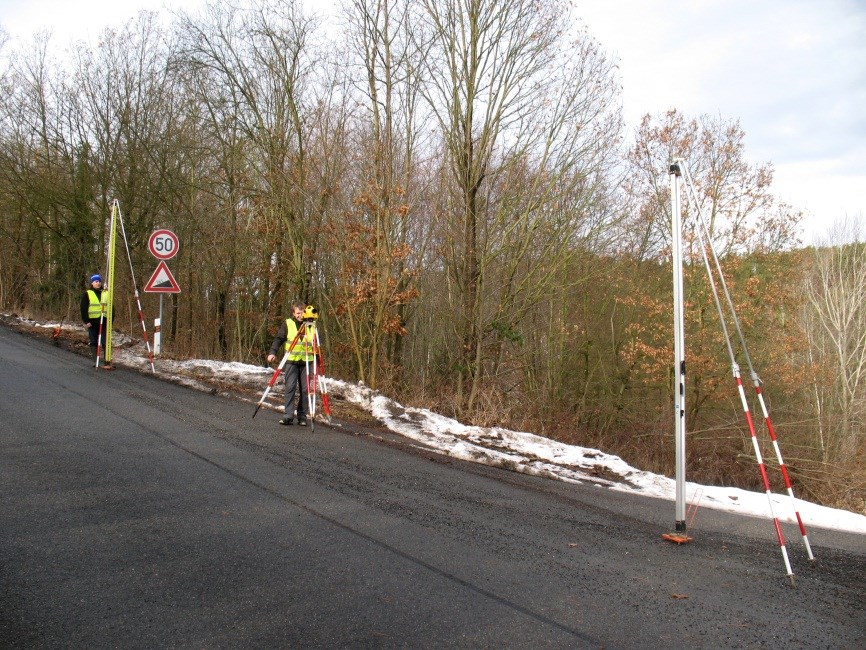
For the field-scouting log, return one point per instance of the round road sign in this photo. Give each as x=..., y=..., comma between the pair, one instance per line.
x=163, y=244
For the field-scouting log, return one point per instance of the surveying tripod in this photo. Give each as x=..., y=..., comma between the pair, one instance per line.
x=308, y=340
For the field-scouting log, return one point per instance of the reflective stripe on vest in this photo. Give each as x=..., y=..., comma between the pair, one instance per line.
x=303, y=350
x=95, y=308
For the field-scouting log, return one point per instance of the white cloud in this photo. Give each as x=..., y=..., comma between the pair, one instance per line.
x=84, y=20
x=792, y=72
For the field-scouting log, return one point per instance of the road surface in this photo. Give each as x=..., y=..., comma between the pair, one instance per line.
x=137, y=513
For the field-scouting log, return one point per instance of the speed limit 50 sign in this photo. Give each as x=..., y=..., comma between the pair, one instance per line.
x=163, y=244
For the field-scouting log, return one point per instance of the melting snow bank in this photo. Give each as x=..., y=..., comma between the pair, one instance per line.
x=514, y=450
x=532, y=454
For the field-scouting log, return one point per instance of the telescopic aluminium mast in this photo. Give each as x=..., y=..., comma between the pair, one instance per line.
x=679, y=349
x=679, y=173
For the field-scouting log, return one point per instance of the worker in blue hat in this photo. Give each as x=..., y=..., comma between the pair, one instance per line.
x=92, y=311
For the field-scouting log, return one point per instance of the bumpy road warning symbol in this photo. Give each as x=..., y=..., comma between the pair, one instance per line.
x=162, y=281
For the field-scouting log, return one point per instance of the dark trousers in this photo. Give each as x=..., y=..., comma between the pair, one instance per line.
x=93, y=331
x=296, y=382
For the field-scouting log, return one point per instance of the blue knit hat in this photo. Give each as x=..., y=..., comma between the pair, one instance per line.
x=95, y=278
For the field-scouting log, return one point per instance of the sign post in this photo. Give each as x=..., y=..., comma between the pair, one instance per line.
x=163, y=245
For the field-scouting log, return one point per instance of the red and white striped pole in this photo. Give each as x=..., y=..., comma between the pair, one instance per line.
x=782, y=466
x=135, y=286
x=144, y=328
x=764, y=476
x=99, y=336
x=271, y=383
x=325, y=399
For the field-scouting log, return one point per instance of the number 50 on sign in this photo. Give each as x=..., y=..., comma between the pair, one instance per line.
x=163, y=244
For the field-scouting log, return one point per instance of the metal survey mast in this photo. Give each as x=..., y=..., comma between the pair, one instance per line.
x=679, y=348
x=681, y=178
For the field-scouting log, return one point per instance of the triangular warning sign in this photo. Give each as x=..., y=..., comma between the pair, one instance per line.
x=162, y=281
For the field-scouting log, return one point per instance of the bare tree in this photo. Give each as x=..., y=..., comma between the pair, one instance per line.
x=836, y=291
x=527, y=123
x=371, y=240
x=736, y=199
x=48, y=182
x=31, y=223
x=256, y=63
x=125, y=112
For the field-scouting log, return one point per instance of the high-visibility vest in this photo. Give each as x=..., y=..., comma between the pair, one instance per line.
x=95, y=308
x=303, y=350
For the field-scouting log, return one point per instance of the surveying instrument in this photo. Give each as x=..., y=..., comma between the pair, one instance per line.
x=308, y=340
x=680, y=178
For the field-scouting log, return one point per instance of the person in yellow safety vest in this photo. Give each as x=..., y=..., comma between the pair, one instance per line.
x=296, y=365
x=92, y=311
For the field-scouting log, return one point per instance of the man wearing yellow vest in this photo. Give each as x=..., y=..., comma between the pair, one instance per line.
x=92, y=311
x=296, y=365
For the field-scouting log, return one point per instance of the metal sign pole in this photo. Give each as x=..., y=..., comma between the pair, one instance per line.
x=157, y=326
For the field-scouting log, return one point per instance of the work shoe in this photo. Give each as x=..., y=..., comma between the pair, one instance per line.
x=302, y=422
x=286, y=420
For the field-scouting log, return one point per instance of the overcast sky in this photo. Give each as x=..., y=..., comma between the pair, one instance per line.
x=793, y=72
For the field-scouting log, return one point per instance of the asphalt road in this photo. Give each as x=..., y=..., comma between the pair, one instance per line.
x=137, y=513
